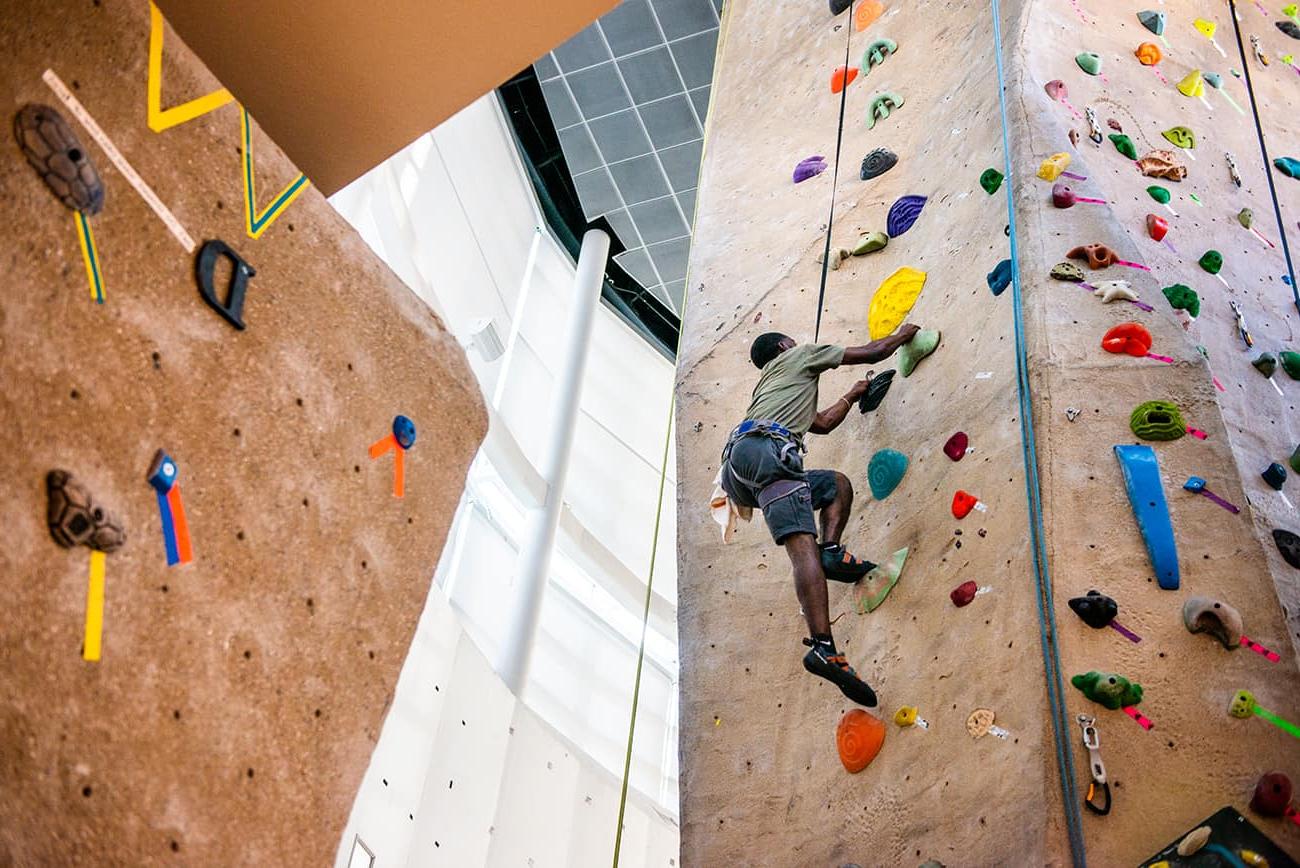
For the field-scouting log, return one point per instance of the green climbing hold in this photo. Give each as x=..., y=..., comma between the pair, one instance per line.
x=1089, y=62
x=1290, y=363
x=1124, y=145
x=1266, y=364
x=881, y=105
x=870, y=242
x=1294, y=461
x=1181, y=137
x=1288, y=166
x=921, y=345
x=1113, y=691
x=1183, y=297
x=991, y=180
x=1246, y=217
x=1160, y=194
x=876, y=53
x=1157, y=420
x=885, y=471
x=1211, y=261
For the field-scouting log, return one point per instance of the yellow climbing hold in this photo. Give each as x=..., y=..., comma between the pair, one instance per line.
x=905, y=716
x=1053, y=166
x=892, y=301
x=1192, y=84
x=1207, y=28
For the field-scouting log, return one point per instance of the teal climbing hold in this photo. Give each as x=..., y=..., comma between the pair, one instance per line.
x=1153, y=21
x=1183, y=297
x=1089, y=62
x=1124, y=145
x=991, y=180
x=1108, y=689
x=1000, y=277
x=1288, y=166
x=885, y=471
x=1146, y=495
x=1160, y=194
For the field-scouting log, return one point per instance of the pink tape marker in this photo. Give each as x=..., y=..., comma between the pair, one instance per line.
x=1159, y=358
x=1217, y=384
x=1128, y=264
x=1196, y=432
x=1142, y=720
x=1073, y=111
x=1270, y=656
x=1160, y=75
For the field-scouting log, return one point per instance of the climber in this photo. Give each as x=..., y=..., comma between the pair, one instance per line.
x=762, y=466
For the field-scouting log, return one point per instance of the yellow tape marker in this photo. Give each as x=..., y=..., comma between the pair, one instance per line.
x=115, y=156
x=94, y=608
x=160, y=119
x=256, y=223
x=90, y=254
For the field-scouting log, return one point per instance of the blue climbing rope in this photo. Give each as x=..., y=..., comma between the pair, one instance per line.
x=835, y=174
x=1046, y=608
x=1263, y=149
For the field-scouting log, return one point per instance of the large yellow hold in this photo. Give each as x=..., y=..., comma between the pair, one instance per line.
x=893, y=300
x=1193, y=84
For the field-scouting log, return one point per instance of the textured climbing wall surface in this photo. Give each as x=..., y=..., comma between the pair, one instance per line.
x=238, y=697
x=1197, y=758
x=762, y=783
x=760, y=777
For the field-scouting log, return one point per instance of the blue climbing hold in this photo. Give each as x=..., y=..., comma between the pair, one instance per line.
x=885, y=471
x=1147, y=497
x=1000, y=277
x=404, y=432
x=1194, y=483
x=1288, y=166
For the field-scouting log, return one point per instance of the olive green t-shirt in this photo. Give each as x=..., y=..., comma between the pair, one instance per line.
x=787, y=389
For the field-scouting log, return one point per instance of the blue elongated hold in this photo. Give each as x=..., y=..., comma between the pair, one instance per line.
x=1000, y=277
x=1147, y=497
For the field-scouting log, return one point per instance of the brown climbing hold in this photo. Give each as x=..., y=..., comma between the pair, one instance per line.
x=76, y=519
x=1098, y=255
x=53, y=151
x=1161, y=164
x=1204, y=615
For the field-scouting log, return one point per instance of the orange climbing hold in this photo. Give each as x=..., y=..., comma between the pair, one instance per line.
x=843, y=77
x=868, y=11
x=1127, y=337
x=1148, y=53
x=859, y=738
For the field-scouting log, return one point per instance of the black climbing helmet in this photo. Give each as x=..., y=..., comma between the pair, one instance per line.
x=765, y=348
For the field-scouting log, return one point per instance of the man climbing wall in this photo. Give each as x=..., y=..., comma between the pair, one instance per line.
x=762, y=466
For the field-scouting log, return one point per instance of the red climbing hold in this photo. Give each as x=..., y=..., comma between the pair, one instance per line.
x=843, y=77
x=859, y=738
x=963, y=594
x=963, y=503
x=1157, y=227
x=1127, y=337
x=955, y=448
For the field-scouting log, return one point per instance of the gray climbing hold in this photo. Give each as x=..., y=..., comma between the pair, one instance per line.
x=1290, y=28
x=1153, y=21
x=52, y=149
x=878, y=162
x=1204, y=615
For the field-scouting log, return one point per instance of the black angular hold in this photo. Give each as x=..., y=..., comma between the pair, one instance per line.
x=1274, y=475
x=240, y=272
x=1096, y=609
x=838, y=6
x=1288, y=544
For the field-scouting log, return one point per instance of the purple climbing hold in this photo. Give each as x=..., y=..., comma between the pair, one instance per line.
x=809, y=167
x=902, y=214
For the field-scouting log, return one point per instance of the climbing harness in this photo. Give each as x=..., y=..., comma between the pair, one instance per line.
x=1092, y=741
x=1046, y=606
x=1263, y=148
x=835, y=177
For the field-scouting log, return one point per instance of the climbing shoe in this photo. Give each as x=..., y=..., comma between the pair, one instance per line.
x=838, y=6
x=840, y=566
x=823, y=661
x=876, y=390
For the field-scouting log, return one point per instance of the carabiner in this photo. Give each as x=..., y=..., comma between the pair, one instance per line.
x=1092, y=741
x=1105, y=791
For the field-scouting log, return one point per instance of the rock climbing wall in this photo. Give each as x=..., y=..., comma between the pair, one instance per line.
x=761, y=778
x=238, y=694
x=760, y=771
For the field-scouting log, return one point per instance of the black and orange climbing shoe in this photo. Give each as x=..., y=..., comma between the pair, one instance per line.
x=823, y=661
x=838, y=6
x=840, y=566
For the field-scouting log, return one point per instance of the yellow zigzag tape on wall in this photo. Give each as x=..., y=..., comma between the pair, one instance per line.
x=257, y=223
x=159, y=119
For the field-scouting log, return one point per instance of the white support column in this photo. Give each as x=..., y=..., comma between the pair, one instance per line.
x=534, y=563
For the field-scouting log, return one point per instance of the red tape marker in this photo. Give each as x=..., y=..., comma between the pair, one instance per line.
x=1270, y=656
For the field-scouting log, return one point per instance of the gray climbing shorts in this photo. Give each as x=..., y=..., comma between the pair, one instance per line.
x=787, y=494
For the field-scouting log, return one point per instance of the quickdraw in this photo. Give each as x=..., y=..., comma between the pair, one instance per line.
x=1092, y=741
